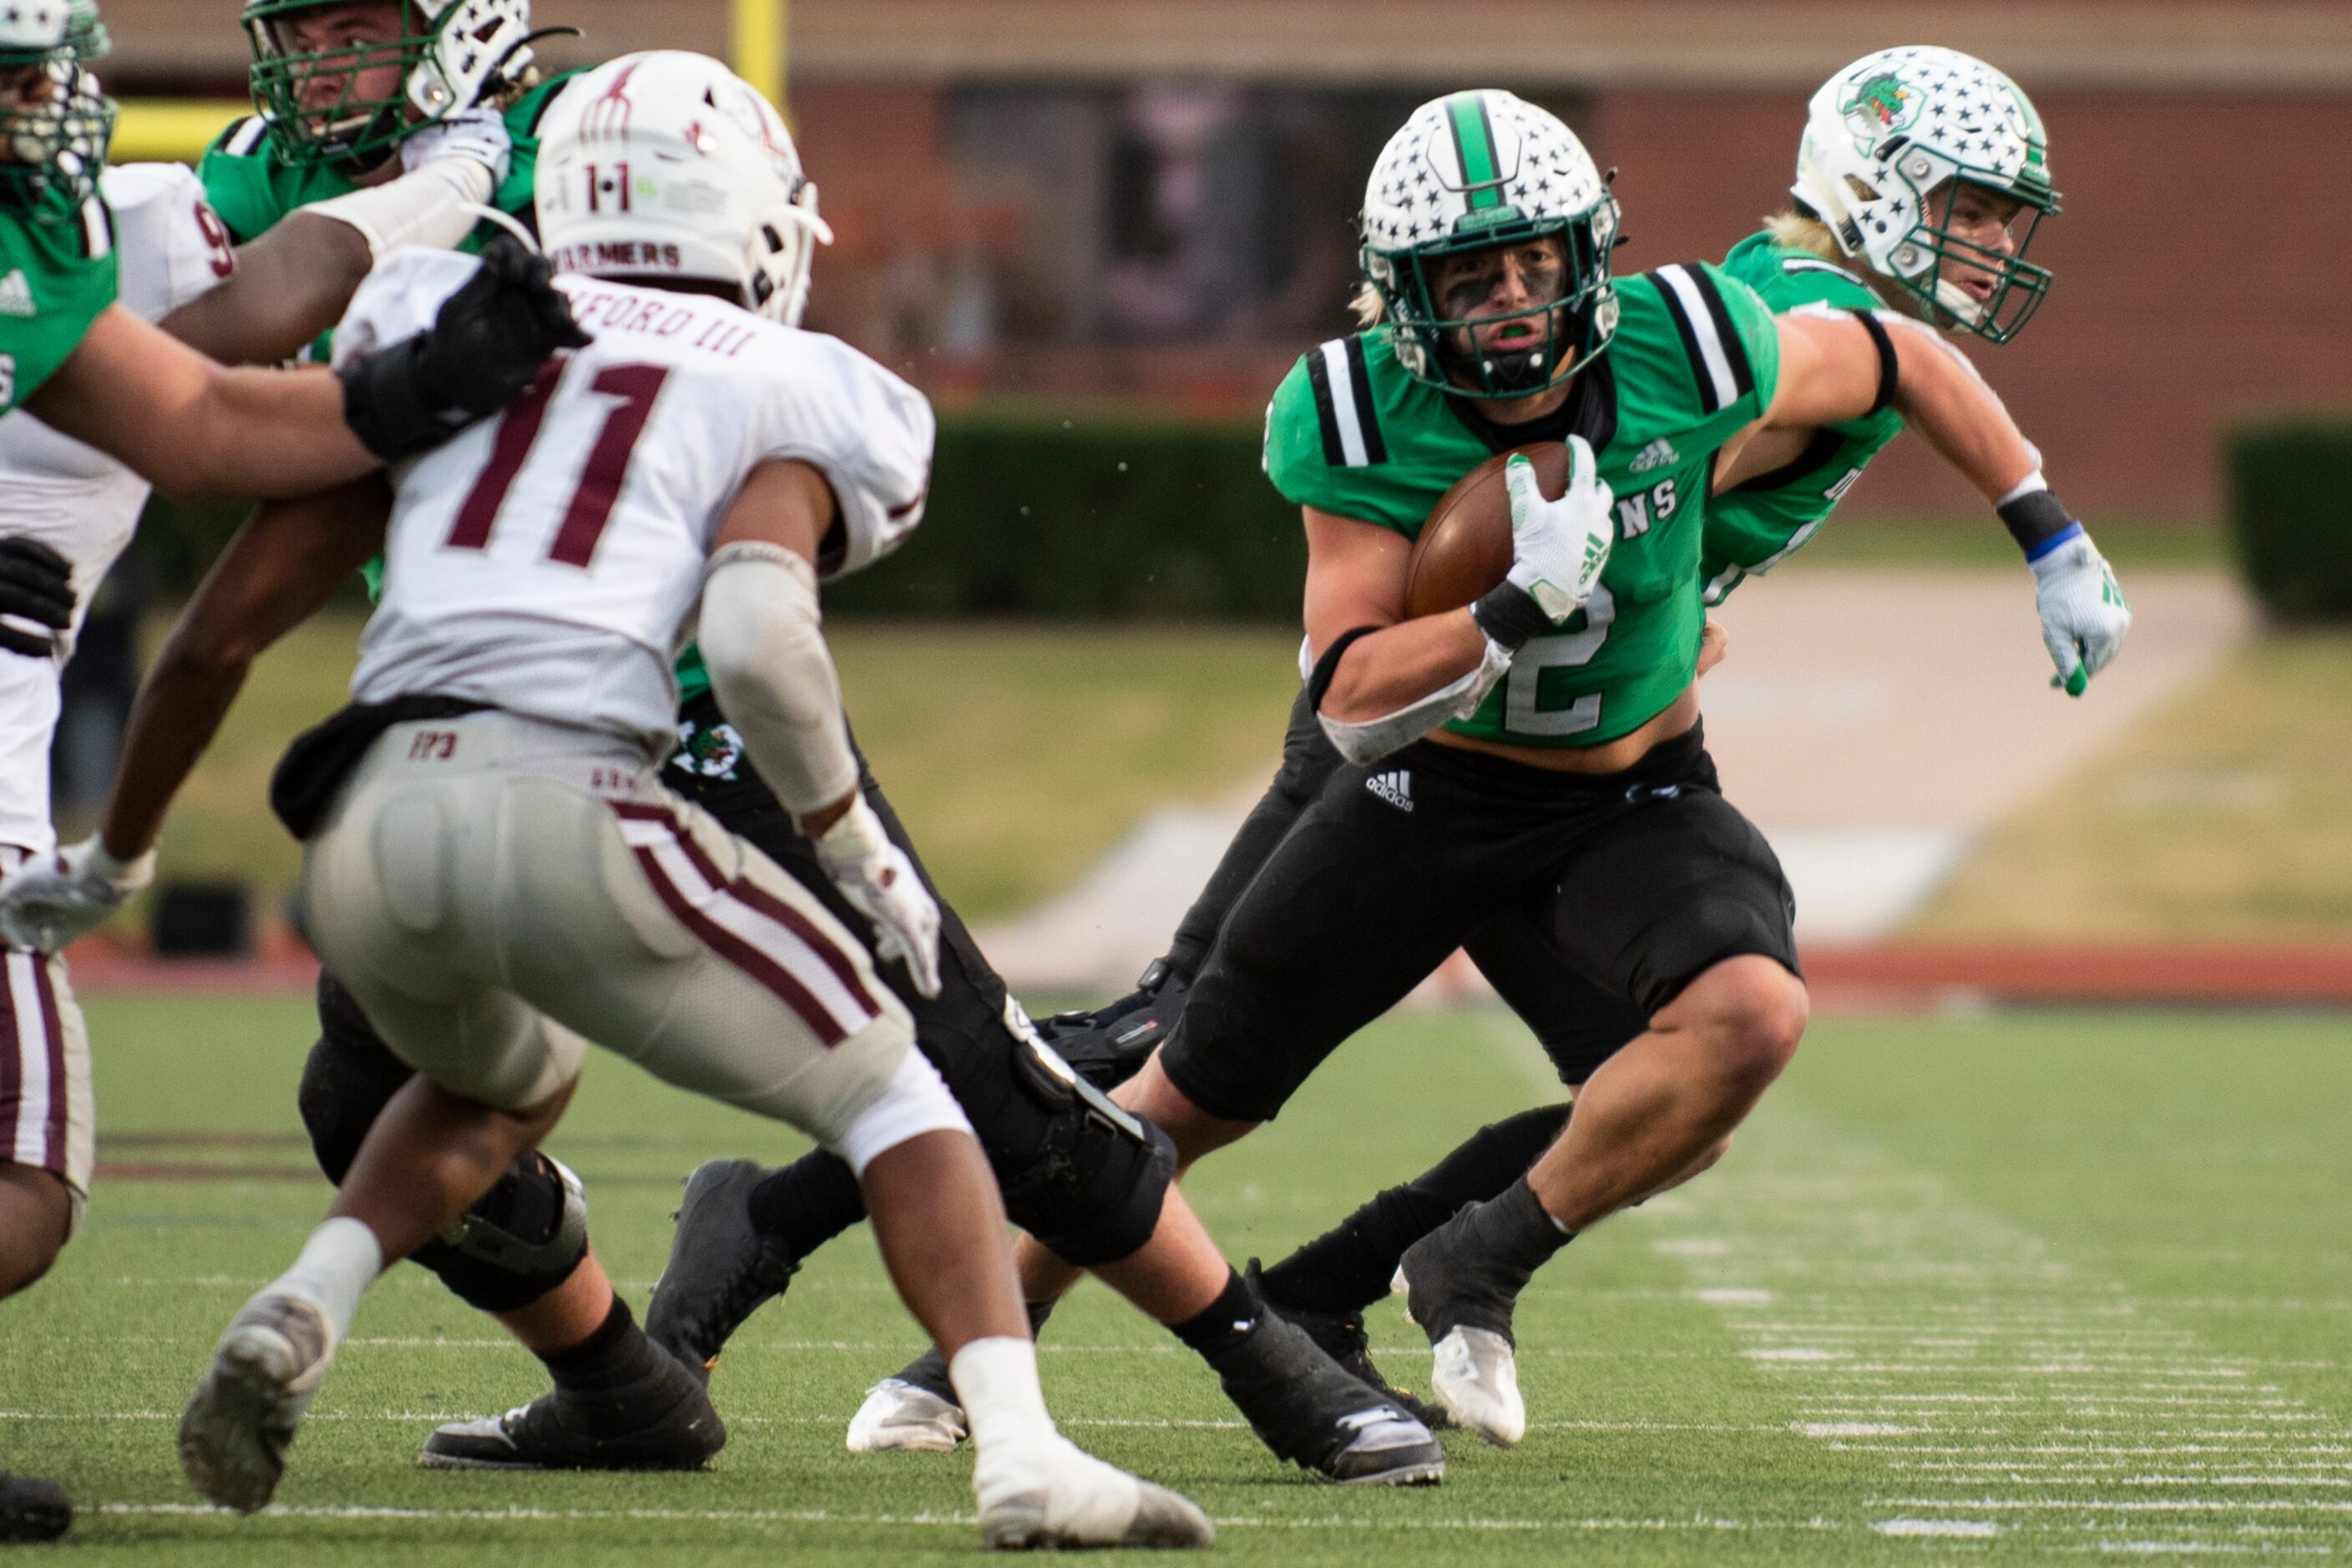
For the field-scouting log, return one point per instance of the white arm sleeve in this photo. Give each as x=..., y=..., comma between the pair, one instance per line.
x=1373, y=738
x=772, y=674
x=426, y=207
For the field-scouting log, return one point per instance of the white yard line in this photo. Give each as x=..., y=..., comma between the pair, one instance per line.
x=1701, y=1524
x=2004, y=1387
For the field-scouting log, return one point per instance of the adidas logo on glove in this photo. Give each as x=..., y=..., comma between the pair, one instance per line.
x=1396, y=788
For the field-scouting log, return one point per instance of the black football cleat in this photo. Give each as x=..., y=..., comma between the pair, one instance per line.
x=1343, y=1338
x=722, y=1268
x=1311, y=1413
x=664, y=1423
x=33, y=1511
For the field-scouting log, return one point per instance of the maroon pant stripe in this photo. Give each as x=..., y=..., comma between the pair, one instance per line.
x=60, y=1101
x=749, y=892
x=791, y=918
x=742, y=954
x=12, y=1074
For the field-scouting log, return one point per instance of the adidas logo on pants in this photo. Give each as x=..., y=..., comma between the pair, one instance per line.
x=1396, y=788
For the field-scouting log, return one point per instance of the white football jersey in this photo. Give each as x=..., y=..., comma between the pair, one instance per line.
x=549, y=561
x=171, y=248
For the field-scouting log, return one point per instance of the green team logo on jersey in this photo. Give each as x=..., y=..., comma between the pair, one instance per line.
x=1880, y=105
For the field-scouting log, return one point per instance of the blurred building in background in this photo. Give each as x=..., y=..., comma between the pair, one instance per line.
x=1153, y=199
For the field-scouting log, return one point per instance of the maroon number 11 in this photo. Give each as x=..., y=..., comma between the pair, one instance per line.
x=637, y=385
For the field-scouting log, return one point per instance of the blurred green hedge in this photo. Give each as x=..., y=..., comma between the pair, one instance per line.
x=1031, y=515
x=2290, y=483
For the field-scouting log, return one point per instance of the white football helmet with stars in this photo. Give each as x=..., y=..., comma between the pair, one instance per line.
x=1474, y=170
x=1888, y=142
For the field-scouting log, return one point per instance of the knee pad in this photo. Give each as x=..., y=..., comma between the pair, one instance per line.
x=520, y=1240
x=1090, y=1190
x=348, y=1079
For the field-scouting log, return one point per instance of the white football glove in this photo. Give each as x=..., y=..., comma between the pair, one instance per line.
x=478, y=133
x=1558, y=547
x=48, y=904
x=2084, y=615
x=876, y=876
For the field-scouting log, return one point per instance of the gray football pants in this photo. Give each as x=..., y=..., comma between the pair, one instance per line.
x=497, y=891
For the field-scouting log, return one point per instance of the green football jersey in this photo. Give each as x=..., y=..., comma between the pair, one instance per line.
x=1695, y=359
x=254, y=189
x=1759, y=524
x=56, y=278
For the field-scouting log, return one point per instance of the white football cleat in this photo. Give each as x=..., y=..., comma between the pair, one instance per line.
x=1475, y=1376
x=1052, y=1493
x=899, y=1419
x=234, y=1437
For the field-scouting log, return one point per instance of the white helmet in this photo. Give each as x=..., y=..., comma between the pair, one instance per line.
x=1888, y=142
x=1468, y=172
x=668, y=164
x=452, y=54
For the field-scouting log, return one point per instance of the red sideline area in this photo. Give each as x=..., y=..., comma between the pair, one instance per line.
x=1856, y=978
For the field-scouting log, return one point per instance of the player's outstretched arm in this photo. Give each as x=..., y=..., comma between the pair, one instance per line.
x=196, y=429
x=1835, y=367
x=294, y=283
x=280, y=569
x=762, y=642
x=290, y=285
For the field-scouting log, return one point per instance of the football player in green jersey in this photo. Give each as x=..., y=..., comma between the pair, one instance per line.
x=379, y=123
x=1976, y=185
x=1566, y=793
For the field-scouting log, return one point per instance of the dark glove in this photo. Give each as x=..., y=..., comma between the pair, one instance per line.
x=36, y=584
x=483, y=349
x=1110, y=1046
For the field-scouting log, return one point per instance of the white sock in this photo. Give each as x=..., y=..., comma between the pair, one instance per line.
x=996, y=1379
x=338, y=1264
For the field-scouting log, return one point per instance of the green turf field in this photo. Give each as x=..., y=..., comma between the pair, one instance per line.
x=2007, y=1290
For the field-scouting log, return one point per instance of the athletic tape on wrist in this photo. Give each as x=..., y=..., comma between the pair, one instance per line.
x=2038, y=521
x=1510, y=616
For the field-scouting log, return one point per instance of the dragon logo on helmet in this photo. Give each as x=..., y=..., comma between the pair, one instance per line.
x=1880, y=105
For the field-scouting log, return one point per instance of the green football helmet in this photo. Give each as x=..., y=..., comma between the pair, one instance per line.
x=1889, y=143
x=451, y=55
x=55, y=123
x=1473, y=171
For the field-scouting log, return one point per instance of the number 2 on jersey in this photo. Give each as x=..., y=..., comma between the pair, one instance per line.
x=607, y=470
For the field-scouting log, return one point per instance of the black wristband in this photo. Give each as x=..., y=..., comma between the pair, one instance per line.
x=388, y=408
x=1319, y=682
x=1887, y=369
x=1509, y=616
x=2034, y=518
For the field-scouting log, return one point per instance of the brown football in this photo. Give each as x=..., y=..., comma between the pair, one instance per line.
x=1464, y=548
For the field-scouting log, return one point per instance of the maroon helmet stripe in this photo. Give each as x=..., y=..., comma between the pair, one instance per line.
x=61, y=1102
